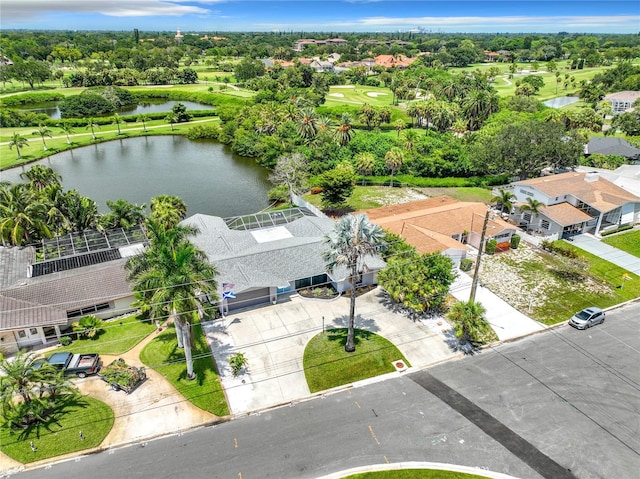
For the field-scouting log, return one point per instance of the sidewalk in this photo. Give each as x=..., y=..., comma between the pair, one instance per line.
x=590, y=244
x=274, y=337
x=506, y=321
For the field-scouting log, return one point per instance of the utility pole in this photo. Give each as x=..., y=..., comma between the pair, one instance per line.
x=476, y=271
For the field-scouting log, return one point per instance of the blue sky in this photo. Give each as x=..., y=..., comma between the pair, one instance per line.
x=514, y=16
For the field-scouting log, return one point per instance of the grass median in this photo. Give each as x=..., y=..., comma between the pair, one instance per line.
x=327, y=365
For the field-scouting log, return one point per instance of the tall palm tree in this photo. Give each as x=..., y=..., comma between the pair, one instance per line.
x=123, y=214
x=394, y=160
x=533, y=206
x=170, y=277
x=168, y=210
x=409, y=140
x=67, y=129
x=118, y=121
x=40, y=177
x=18, y=141
x=344, y=131
x=399, y=126
x=171, y=118
x=478, y=105
x=364, y=163
x=92, y=125
x=469, y=323
x=22, y=215
x=43, y=131
x=352, y=239
x=143, y=119
x=504, y=200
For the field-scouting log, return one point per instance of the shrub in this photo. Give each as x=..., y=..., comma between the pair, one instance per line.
x=279, y=194
x=316, y=190
x=89, y=326
x=490, y=247
x=237, y=362
x=65, y=340
x=85, y=105
x=515, y=242
x=465, y=264
x=617, y=230
x=203, y=132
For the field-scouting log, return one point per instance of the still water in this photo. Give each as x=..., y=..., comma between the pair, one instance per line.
x=205, y=174
x=147, y=106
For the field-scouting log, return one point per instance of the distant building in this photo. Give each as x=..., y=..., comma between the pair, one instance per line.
x=621, y=101
x=179, y=36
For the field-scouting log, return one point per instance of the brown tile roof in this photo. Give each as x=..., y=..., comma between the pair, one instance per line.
x=390, y=61
x=433, y=221
x=565, y=214
x=599, y=193
x=17, y=314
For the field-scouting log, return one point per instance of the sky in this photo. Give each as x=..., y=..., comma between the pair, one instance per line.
x=498, y=16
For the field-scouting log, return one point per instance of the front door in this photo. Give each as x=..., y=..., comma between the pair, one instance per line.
x=28, y=337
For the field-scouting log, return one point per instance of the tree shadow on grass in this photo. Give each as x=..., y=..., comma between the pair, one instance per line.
x=64, y=405
x=340, y=335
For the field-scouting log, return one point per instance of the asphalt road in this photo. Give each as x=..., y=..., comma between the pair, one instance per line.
x=563, y=403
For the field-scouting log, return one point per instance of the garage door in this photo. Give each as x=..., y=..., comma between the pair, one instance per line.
x=249, y=299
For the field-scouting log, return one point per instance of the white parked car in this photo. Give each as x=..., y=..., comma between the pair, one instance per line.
x=587, y=317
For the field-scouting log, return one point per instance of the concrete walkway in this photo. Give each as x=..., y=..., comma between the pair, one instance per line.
x=506, y=321
x=592, y=245
x=273, y=338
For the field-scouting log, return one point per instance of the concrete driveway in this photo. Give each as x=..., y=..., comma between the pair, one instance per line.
x=620, y=258
x=274, y=337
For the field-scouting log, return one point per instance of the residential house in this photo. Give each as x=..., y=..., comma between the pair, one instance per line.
x=321, y=66
x=574, y=203
x=302, y=43
x=44, y=288
x=621, y=101
x=262, y=256
x=442, y=225
x=626, y=177
x=394, y=61
x=608, y=145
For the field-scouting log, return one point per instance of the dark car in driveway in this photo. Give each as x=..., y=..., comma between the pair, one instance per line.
x=587, y=317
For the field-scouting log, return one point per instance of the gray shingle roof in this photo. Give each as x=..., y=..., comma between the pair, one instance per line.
x=17, y=314
x=612, y=146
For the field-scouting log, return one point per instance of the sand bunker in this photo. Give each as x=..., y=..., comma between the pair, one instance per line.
x=375, y=93
x=339, y=95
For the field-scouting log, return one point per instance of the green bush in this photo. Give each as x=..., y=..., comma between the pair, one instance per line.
x=515, y=242
x=203, y=132
x=465, y=264
x=85, y=105
x=279, y=194
x=617, y=230
x=490, y=247
x=65, y=340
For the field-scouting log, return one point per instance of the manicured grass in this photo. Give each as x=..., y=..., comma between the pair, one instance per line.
x=163, y=355
x=61, y=435
x=327, y=365
x=34, y=150
x=359, y=95
x=414, y=474
x=563, y=302
x=483, y=195
x=629, y=242
x=119, y=335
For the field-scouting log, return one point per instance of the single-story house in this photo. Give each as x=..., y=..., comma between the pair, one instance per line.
x=612, y=146
x=46, y=287
x=259, y=257
x=575, y=203
x=621, y=101
x=393, y=61
x=442, y=224
x=626, y=177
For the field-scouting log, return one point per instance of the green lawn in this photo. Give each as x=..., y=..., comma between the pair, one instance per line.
x=119, y=335
x=562, y=303
x=629, y=242
x=163, y=355
x=327, y=365
x=62, y=434
x=414, y=474
x=470, y=193
x=359, y=95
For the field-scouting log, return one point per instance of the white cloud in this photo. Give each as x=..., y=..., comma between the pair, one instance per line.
x=21, y=10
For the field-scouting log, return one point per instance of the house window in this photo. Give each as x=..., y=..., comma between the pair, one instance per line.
x=88, y=310
x=544, y=224
x=22, y=333
x=33, y=331
x=527, y=217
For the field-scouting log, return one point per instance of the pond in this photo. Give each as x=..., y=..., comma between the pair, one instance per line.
x=147, y=106
x=205, y=174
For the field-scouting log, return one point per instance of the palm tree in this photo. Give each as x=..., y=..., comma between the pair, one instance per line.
x=478, y=105
x=40, y=177
x=470, y=324
x=123, y=214
x=67, y=129
x=399, y=126
x=168, y=210
x=364, y=163
x=394, y=160
x=306, y=123
x=117, y=121
x=409, y=140
x=22, y=215
x=18, y=141
x=92, y=125
x=504, y=200
x=344, y=132
x=43, y=131
x=169, y=277
x=143, y=119
x=171, y=118
x=533, y=206
x=351, y=240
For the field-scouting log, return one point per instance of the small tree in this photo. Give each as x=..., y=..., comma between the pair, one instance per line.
x=290, y=171
x=181, y=113
x=469, y=323
x=337, y=186
x=237, y=362
x=43, y=131
x=89, y=326
x=18, y=141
